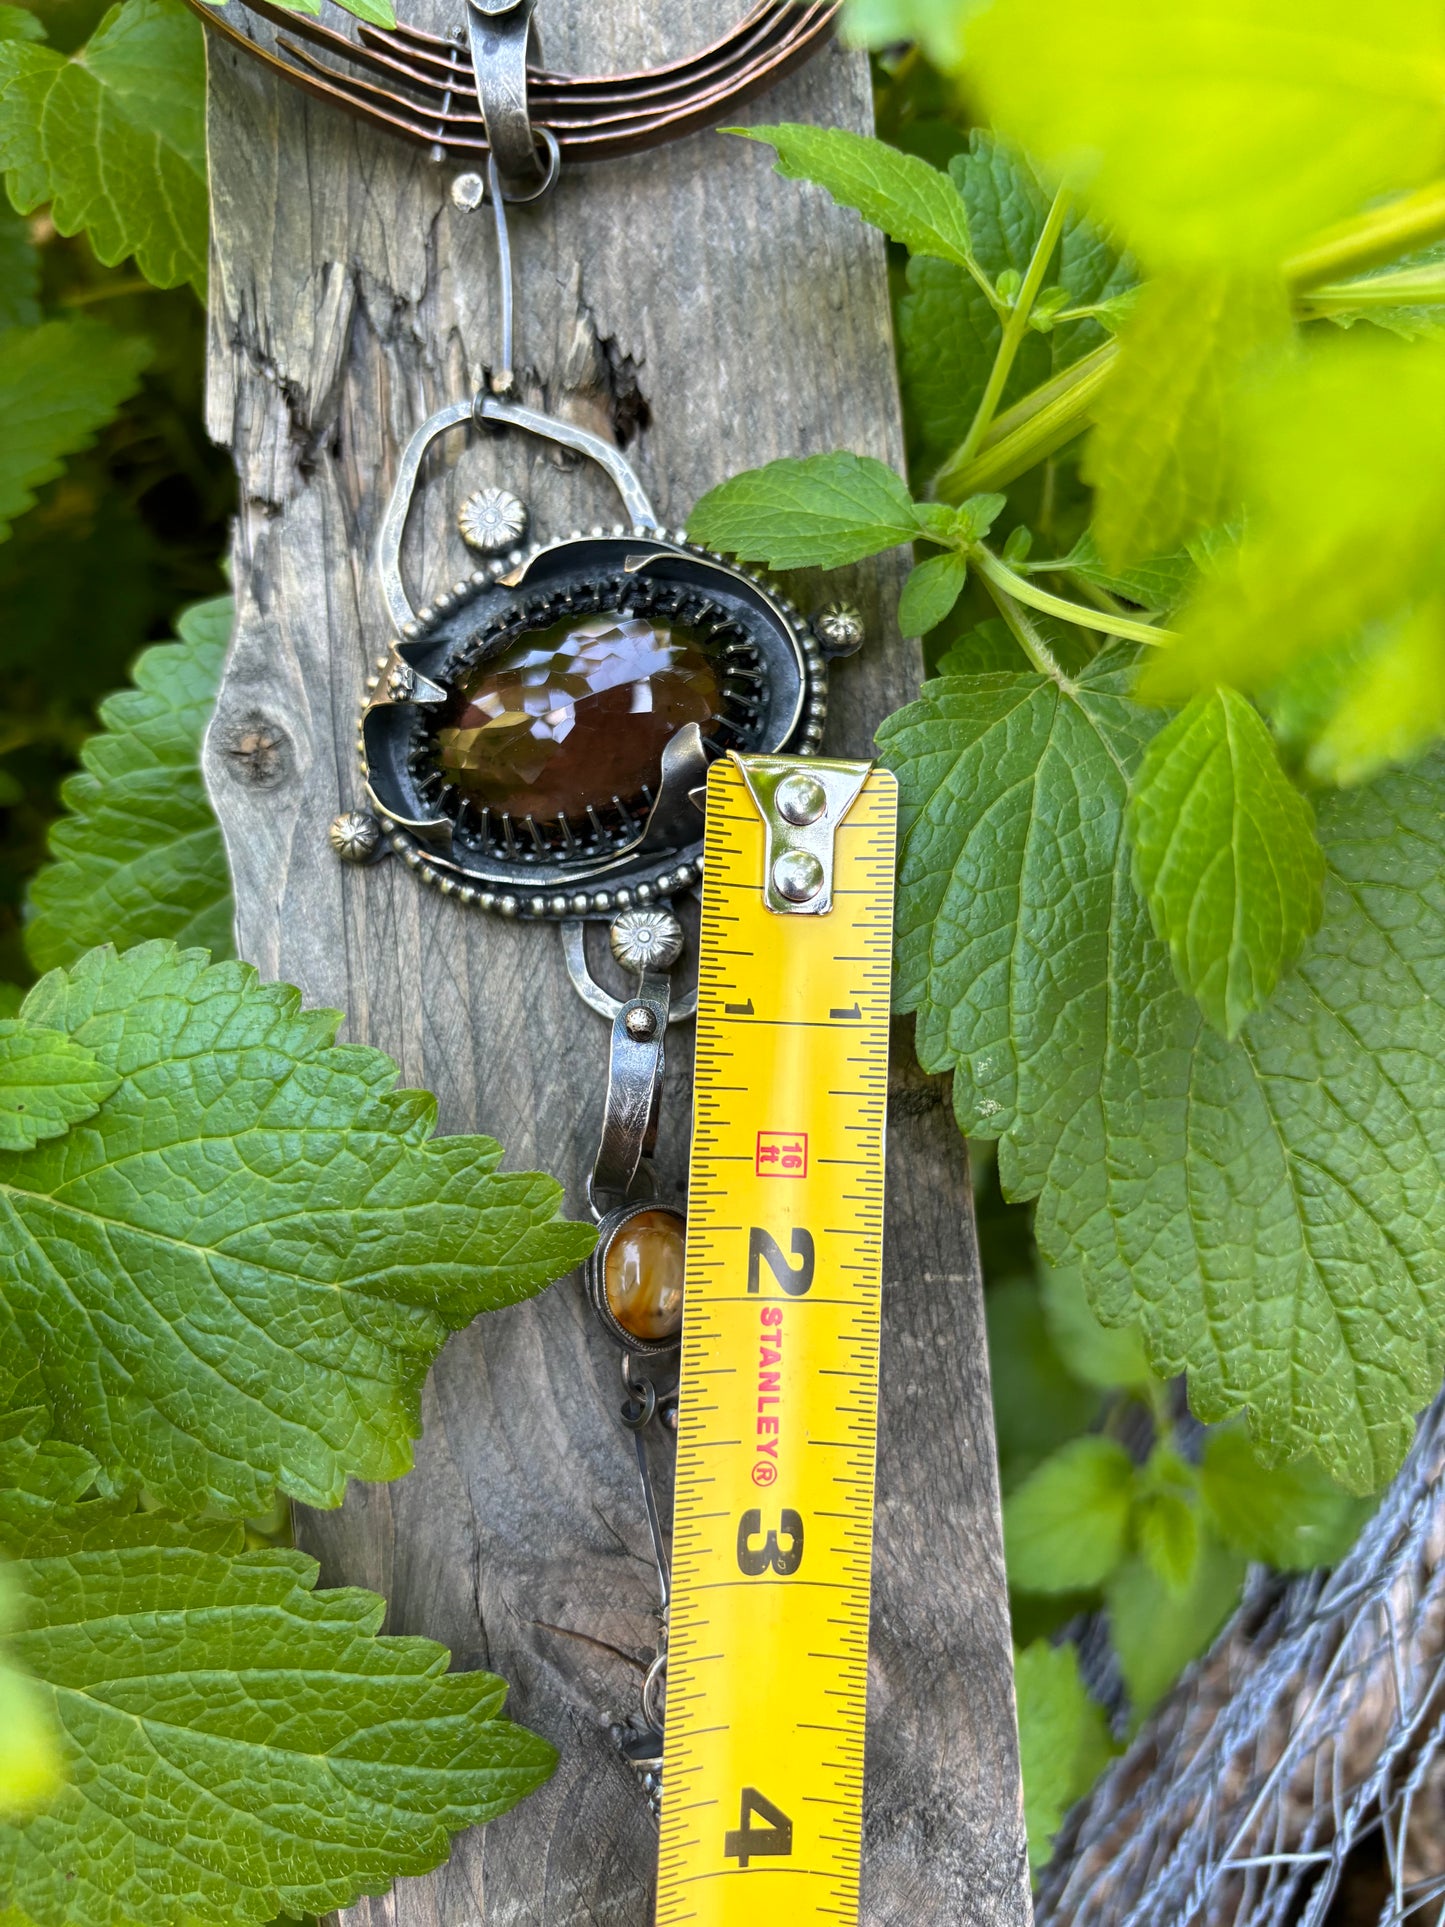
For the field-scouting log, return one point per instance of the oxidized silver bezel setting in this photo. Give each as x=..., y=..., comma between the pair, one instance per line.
x=533, y=885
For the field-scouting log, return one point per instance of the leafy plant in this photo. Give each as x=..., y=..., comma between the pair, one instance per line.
x=140, y=855
x=1190, y=992
x=231, y=1251
x=1118, y=1507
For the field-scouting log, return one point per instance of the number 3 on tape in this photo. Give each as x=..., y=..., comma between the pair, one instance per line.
x=773, y=1517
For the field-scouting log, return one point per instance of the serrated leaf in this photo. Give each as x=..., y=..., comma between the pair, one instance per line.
x=1291, y=1516
x=1226, y=855
x=1094, y=1354
x=949, y=331
x=235, y=1277
x=1271, y=1211
x=1012, y=849
x=1066, y=1527
x=1161, y=457
x=47, y=1083
x=1157, y=584
x=114, y=138
x=240, y=1745
x=1157, y=1632
x=823, y=511
x=1345, y=501
x=59, y=384
x=1063, y=1739
x=1326, y=107
x=913, y=203
x=930, y=592
x=140, y=856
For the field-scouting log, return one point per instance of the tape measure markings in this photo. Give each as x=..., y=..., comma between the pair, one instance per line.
x=765, y=1736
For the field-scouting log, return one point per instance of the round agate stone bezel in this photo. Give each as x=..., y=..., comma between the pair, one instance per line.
x=767, y=665
x=612, y=1231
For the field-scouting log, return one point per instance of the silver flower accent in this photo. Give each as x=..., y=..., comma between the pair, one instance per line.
x=646, y=939
x=354, y=835
x=839, y=628
x=401, y=682
x=492, y=520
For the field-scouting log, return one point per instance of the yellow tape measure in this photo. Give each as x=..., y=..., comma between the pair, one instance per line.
x=773, y=1516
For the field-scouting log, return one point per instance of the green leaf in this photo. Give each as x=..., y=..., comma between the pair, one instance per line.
x=31, y=1767
x=19, y=272
x=1156, y=1631
x=19, y=23
x=1372, y=699
x=988, y=645
x=1226, y=855
x=239, y=1744
x=1098, y=1355
x=114, y=138
x=1160, y=456
x=1166, y=1520
x=930, y=592
x=821, y=512
x=1324, y=107
x=1011, y=845
x=1346, y=497
x=1156, y=585
x=1037, y=1405
x=912, y=202
x=11, y=998
x=140, y=856
x=1063, y=1739
x=1271, y=1211
x=1066, y=1527
x=59, y=383
x=235, y=1277
x=47, y=1083
x=948, y=329
x=1291, y=1516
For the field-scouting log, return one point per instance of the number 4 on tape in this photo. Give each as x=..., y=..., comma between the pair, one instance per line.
x=772, y=1527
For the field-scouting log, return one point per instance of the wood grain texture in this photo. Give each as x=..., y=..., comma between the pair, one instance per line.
x=711, y=315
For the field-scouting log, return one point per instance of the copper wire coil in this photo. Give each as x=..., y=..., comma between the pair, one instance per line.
x=420, y=85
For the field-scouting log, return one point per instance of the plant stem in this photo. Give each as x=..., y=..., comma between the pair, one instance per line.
x=1036, y=426
x=1411, y=287
x=1370, y=238
x=998, y=574
x=1028, y=638
x=1014, y=328
x=1054, y=413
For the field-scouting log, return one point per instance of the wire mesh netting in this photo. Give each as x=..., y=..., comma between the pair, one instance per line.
x=1314, y=1730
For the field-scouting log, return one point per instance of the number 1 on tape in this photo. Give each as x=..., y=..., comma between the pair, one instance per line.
x=773, y=1516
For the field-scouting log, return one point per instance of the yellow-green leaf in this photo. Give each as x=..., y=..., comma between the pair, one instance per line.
x=1160, y=456
x=1221, y=130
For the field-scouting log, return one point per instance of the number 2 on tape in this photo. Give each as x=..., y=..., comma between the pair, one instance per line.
x=772, y=1527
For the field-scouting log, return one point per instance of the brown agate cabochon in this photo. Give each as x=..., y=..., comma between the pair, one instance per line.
x=575, y=715
x=642, y=1275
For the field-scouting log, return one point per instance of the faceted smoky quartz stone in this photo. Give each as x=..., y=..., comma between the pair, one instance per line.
x=575, y=714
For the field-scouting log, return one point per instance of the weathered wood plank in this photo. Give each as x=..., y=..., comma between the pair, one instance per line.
x=713, y=315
